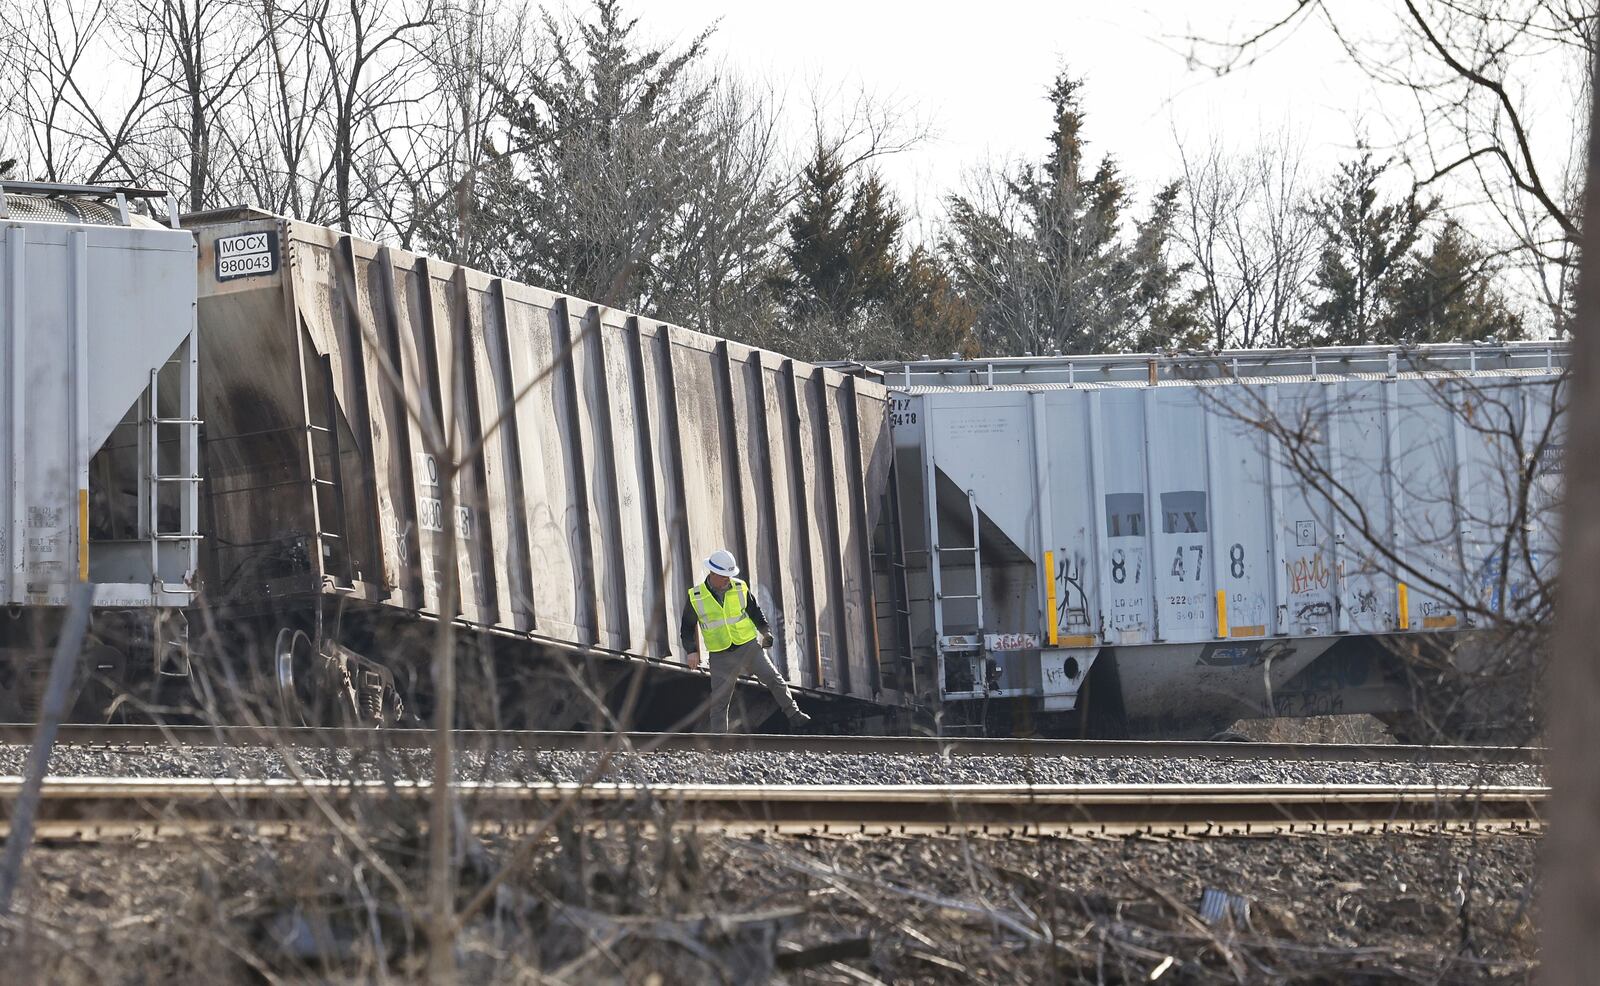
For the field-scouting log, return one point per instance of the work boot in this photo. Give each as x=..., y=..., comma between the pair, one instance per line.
x=798, y=719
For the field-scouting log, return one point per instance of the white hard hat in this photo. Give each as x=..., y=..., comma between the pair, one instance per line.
x=721, y=563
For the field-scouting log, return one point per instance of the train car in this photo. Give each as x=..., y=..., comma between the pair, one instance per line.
x=1197, y=540
x=377, y=422
x=98, y=451
x=305, y=444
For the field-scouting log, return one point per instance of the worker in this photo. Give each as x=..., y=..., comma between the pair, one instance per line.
x=723, y=610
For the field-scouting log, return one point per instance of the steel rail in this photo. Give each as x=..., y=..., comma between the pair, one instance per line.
x=99, y=807
x=946, y=746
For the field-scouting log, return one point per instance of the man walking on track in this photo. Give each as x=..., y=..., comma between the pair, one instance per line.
x=723, y=610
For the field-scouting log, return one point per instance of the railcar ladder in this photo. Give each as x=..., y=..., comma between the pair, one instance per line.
x=334, y=484
x=187, y=479
x=963, y=644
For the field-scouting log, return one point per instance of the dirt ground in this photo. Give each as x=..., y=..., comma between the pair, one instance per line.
x=634, y=907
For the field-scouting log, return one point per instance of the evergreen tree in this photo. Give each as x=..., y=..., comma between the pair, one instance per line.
x=929, y=316
x=1449, y=295
x=637, y=179
x=1166, y=315
x=842, y=243
x=1042, y=255
x=875, y=223
x=1365, y=243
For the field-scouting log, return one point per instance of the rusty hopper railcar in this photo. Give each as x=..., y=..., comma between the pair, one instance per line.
x=612, y=454
x=1202, y=539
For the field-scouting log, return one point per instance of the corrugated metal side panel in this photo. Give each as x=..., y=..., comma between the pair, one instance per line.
x=1121, y=463
x=660, y=401
x=865, y=467
x=848, y=582
x=555, y=581
x=1075, y=533
x=809, y=416
x=370, y=280
x=790, y=585
x=762, y=463
x=493, y=536
x=1241, y=505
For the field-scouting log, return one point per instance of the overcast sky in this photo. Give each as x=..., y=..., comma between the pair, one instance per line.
x=978, y=72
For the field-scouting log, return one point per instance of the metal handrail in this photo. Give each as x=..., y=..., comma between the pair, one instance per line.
x=1548, y=355
x=120, y=194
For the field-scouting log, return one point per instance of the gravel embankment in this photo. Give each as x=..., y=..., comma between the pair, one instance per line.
x=757, y=768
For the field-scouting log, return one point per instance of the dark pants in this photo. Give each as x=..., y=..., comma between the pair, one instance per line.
x=728, y=666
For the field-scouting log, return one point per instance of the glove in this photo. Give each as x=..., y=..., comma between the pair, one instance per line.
x=766, y=641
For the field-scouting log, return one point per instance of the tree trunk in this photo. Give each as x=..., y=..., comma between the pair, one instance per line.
x=1571, y=905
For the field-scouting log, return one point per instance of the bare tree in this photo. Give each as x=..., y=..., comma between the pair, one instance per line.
x=440, y=150
x=203, y=57
x=83, y=102
x=1430, y=491
x=1482, y=76
x=275, y=146
x=370, y=51
x=1250, y=241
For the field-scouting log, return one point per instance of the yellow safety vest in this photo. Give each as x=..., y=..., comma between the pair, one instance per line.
x=724, y=624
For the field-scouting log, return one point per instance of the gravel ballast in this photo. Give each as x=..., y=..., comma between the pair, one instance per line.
x=680, y=767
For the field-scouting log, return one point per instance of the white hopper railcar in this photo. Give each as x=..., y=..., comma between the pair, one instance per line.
x=1192, y=534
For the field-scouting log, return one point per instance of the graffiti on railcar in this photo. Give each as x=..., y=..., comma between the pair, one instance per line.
x=1072, y=602
x=1310, y=574
x=1321, y=688
x=1503, y=591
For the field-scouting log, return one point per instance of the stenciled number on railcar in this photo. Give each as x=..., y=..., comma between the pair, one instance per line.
x=1177, y=561
x=1119, y=566
x=900, y=412
x=1236, y=560
x=430, y=517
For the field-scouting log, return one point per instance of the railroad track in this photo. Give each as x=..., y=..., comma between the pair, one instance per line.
x=100, y=808
x=535, y=740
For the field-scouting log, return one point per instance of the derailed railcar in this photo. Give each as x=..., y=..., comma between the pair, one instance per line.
x=1201, y=539
x=603, y=456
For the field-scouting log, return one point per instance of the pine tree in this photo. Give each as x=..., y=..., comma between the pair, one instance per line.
x=930, y=317
x=875, y=223
x=842, y=243
x=1449, y=295
x=1042, y=255
x=637, y=179
x=1365, y=243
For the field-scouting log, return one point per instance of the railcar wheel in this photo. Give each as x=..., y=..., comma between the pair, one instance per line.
x=306, y=694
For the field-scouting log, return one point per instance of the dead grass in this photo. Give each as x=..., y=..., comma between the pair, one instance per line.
x=628, y=907
x=1315, y=729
